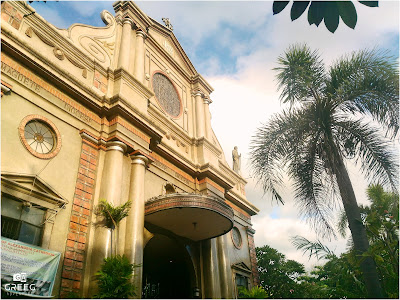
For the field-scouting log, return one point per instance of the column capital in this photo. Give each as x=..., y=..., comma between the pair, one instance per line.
x=138, y=157
x=197, y=93
x=141, y=33
x=129, y=21
x=207, y=100
x=116, y=145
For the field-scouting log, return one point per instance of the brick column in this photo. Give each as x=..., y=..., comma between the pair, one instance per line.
x=75, y=250
x=253, y=258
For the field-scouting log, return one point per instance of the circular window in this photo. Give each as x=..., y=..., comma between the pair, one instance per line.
x=40, y=136
x=167, y=95
x=236, y=237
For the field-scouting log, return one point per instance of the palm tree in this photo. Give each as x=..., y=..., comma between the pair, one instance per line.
x=112, y=216
x=329, y=120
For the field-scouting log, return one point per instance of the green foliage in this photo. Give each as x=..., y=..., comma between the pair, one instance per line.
x=278, y=276
x=114, y=278
x=256, y=292
x=340, y=278
x=317, y=249
x=329, y=11
x=381, y=220
x=112, y=214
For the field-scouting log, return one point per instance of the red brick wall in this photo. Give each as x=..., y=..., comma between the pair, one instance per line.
x=11, y=15
x=75, y=250
x=253, y=258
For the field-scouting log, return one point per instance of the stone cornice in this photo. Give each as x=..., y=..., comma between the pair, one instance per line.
x=53, y=35
x=204, y=141
x=144, y=90
x=234, y=176
x=51, y=72
x=129, y=8
x=199, y=82
x=241, y=202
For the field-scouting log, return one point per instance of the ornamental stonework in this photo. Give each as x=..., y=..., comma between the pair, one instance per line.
x=167, y=95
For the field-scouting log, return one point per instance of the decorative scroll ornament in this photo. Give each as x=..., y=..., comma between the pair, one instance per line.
x=58, y=52
x=98, y=42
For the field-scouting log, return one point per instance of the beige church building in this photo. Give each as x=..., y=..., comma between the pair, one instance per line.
x=118, y=113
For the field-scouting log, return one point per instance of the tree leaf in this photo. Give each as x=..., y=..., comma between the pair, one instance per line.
x=298, y=9
x=316, y=12
x=331, y=19
x=370, y=3
x=278, y=6
x=348, y=13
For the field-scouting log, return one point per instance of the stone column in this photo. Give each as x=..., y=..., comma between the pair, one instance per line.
x=125, y=47
x=139, y=56
x=111, y=191
x=212, y=288
x=225, y=270
x=134, y=243
x=207, y=116
x=199, y=114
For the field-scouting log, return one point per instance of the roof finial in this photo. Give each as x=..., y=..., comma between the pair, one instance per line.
x=168, y=24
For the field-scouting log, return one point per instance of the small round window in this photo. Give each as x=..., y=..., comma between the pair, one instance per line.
x=167, y=95
x=236, y=237
x=40, y=136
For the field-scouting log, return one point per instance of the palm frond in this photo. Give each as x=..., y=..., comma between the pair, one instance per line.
x=301, y=75
x=367, y=82
x=290, y=139
x=113, y=214
x=308, y=171
x=269, y=150
x=378, y=161
x=317, y=249
x=342, y=224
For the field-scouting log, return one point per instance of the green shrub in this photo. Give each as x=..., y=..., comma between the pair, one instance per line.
x=114, y=278
x=257, y=292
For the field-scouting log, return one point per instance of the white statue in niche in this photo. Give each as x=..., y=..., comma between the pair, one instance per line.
x=236, y=157
x=168, y=24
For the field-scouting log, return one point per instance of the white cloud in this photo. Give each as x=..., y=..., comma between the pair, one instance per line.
x=244, y=100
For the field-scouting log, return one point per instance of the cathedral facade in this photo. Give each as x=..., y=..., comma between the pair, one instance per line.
x=118, y=113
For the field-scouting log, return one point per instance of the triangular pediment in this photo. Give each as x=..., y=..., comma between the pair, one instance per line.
x=26, y=186
x=241, y=266
x=168, y=42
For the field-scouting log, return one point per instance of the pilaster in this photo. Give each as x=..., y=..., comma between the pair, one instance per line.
x=200, y=126
x=139, y=55
x=110, y=191
x=134, y=244
x=207, y=116
x=124, y=54
x=212, y=287
x=225, y=271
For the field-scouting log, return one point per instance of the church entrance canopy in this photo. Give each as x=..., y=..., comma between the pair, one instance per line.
x=192, y=216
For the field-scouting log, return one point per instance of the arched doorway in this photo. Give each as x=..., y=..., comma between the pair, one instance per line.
x=167, y=269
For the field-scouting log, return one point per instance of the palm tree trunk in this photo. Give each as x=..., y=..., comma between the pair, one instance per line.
x=358, y=232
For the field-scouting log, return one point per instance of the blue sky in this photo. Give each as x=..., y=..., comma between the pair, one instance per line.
x=235, y=46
